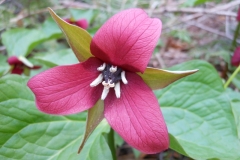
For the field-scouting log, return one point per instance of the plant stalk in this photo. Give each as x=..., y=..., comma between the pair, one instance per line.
x=232, y=77
x=111, y=144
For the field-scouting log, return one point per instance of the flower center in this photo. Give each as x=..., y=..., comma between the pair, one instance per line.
x=110, y=78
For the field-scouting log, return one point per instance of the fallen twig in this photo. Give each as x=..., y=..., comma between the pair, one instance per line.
x=196, y=10
x=25, y=15
x=197, y=15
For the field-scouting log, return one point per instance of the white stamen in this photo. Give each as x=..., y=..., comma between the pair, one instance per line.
x=97, y=80
x=117, y=90
x=104, y=93
x=123, y=77
x=102, y=67
x=113, y=69
x=110, y=78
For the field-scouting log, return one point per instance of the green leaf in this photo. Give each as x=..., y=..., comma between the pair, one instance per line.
x=136, y=153
x=78, y=39
x=43, y=66
x=191, y=3
x=199, y=2
x=51, y=29
x=26, y=133
x=177, y=146
x=96, y=146
x=199, y=114
x=235, y=101
x=4, y=66
x=159, y=78
x=236, y=80
x=118, y=139
x=61, y=57
x=21, y=41
x=224, y=54
x=236, y=112
x=89, y=14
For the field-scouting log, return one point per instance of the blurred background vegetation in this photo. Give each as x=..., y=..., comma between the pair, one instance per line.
x=201, y=29
x=192, y=29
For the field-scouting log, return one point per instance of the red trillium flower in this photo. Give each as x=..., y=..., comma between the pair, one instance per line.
x=19, y=64
x=236, y=57
x=80, y=23
x=120, y=51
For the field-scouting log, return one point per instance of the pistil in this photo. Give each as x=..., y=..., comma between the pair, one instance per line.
x=110, y=78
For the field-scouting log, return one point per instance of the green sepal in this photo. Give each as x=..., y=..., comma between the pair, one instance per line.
x=159, y=78
x=78, y=38
x=95, y=116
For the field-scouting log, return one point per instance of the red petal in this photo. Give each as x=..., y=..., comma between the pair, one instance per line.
x=137, y=117
x=66, y=89
x=13, y=60
x=236, y=57
x=18, y=69
x=238, y=15
x=127, y=40
x=82, y=23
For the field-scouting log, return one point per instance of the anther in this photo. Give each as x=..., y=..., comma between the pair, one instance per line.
x=104, y=83
x=111, y=85
x=123, y=77
x=102, y=67
x=117, y=90
x=113, y=69
x=104, y=93
x=97, y=80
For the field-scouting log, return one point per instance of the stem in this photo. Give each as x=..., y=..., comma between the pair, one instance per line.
x=234, y=42
x=111, y=144
x=232, y=77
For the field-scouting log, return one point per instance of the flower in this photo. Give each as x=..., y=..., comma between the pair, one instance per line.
x=19, y=64
x=80, y=23
x=238, y=15
x=121, y=47
x=236, y=57
x=116, y=72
